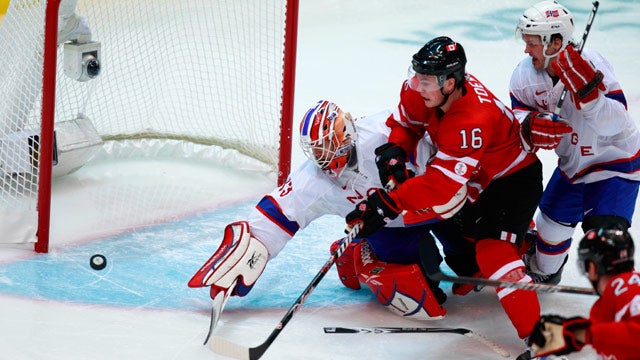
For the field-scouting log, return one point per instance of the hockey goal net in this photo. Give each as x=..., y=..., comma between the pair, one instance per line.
x=191, y=75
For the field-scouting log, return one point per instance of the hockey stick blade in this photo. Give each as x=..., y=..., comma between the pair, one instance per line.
x=224, y=347
x=405, y=330
x=538, y=287
x=212, y=324
x=230, y=349
x=219, y=301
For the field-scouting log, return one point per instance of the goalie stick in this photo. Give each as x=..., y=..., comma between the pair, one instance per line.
x=227, y=348
x=404, y=330
x=539, y=287
x=219, y=302
x=556, y=112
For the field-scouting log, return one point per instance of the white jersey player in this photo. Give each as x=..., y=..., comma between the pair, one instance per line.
x=340, y=171
x=596, y=180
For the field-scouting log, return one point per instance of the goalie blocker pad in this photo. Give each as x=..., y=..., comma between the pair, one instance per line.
x=401, y=288
x=236, y=265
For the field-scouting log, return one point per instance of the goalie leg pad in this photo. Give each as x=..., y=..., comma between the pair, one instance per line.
x=346, y=266
x=239, y=257
x=401, y=288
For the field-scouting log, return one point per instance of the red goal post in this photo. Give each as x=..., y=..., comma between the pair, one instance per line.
x=211, y=74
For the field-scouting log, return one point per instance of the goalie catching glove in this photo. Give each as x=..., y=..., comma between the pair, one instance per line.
x=390, y=160
x=554, y=334
x=235, y=266
x=373, y=213
x=539, y=131
x=581, y=78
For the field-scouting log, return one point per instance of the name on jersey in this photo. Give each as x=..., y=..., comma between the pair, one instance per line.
x=481, y=92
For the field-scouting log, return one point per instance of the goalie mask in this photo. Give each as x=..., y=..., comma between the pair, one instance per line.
x=327, y=136
x=545, y=19
x=610, y=249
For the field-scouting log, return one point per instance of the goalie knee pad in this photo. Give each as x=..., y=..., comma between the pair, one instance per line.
x=237, y=264
x=346, y=266
x=401, y=288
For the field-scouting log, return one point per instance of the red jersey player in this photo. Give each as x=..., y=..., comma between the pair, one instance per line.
x=481, y=177
x=605, y=256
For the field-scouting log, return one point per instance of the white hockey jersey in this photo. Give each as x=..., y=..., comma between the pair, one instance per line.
x=605, y=141
x=309, y=194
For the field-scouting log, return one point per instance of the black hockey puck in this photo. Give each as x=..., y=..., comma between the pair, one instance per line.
x=98, y=262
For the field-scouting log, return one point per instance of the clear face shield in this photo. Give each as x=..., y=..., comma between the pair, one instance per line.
x=422, y=82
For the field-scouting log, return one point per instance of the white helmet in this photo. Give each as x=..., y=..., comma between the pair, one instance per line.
x=545, y=19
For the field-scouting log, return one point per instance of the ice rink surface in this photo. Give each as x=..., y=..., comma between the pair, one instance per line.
x=355, y=53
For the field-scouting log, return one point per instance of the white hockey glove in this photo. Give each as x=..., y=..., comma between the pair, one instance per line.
x=239, y=257
x=539, y=131
x=233, y=269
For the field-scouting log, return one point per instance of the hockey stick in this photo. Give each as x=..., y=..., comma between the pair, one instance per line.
x=556, y=112
x=404, y=330
x=539, y=287
x=227, y=348
x=219, y=302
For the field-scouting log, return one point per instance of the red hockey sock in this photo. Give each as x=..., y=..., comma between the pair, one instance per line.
x=514, y=305
x=498, y=260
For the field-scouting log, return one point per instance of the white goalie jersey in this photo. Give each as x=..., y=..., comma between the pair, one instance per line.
x=309, y=194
